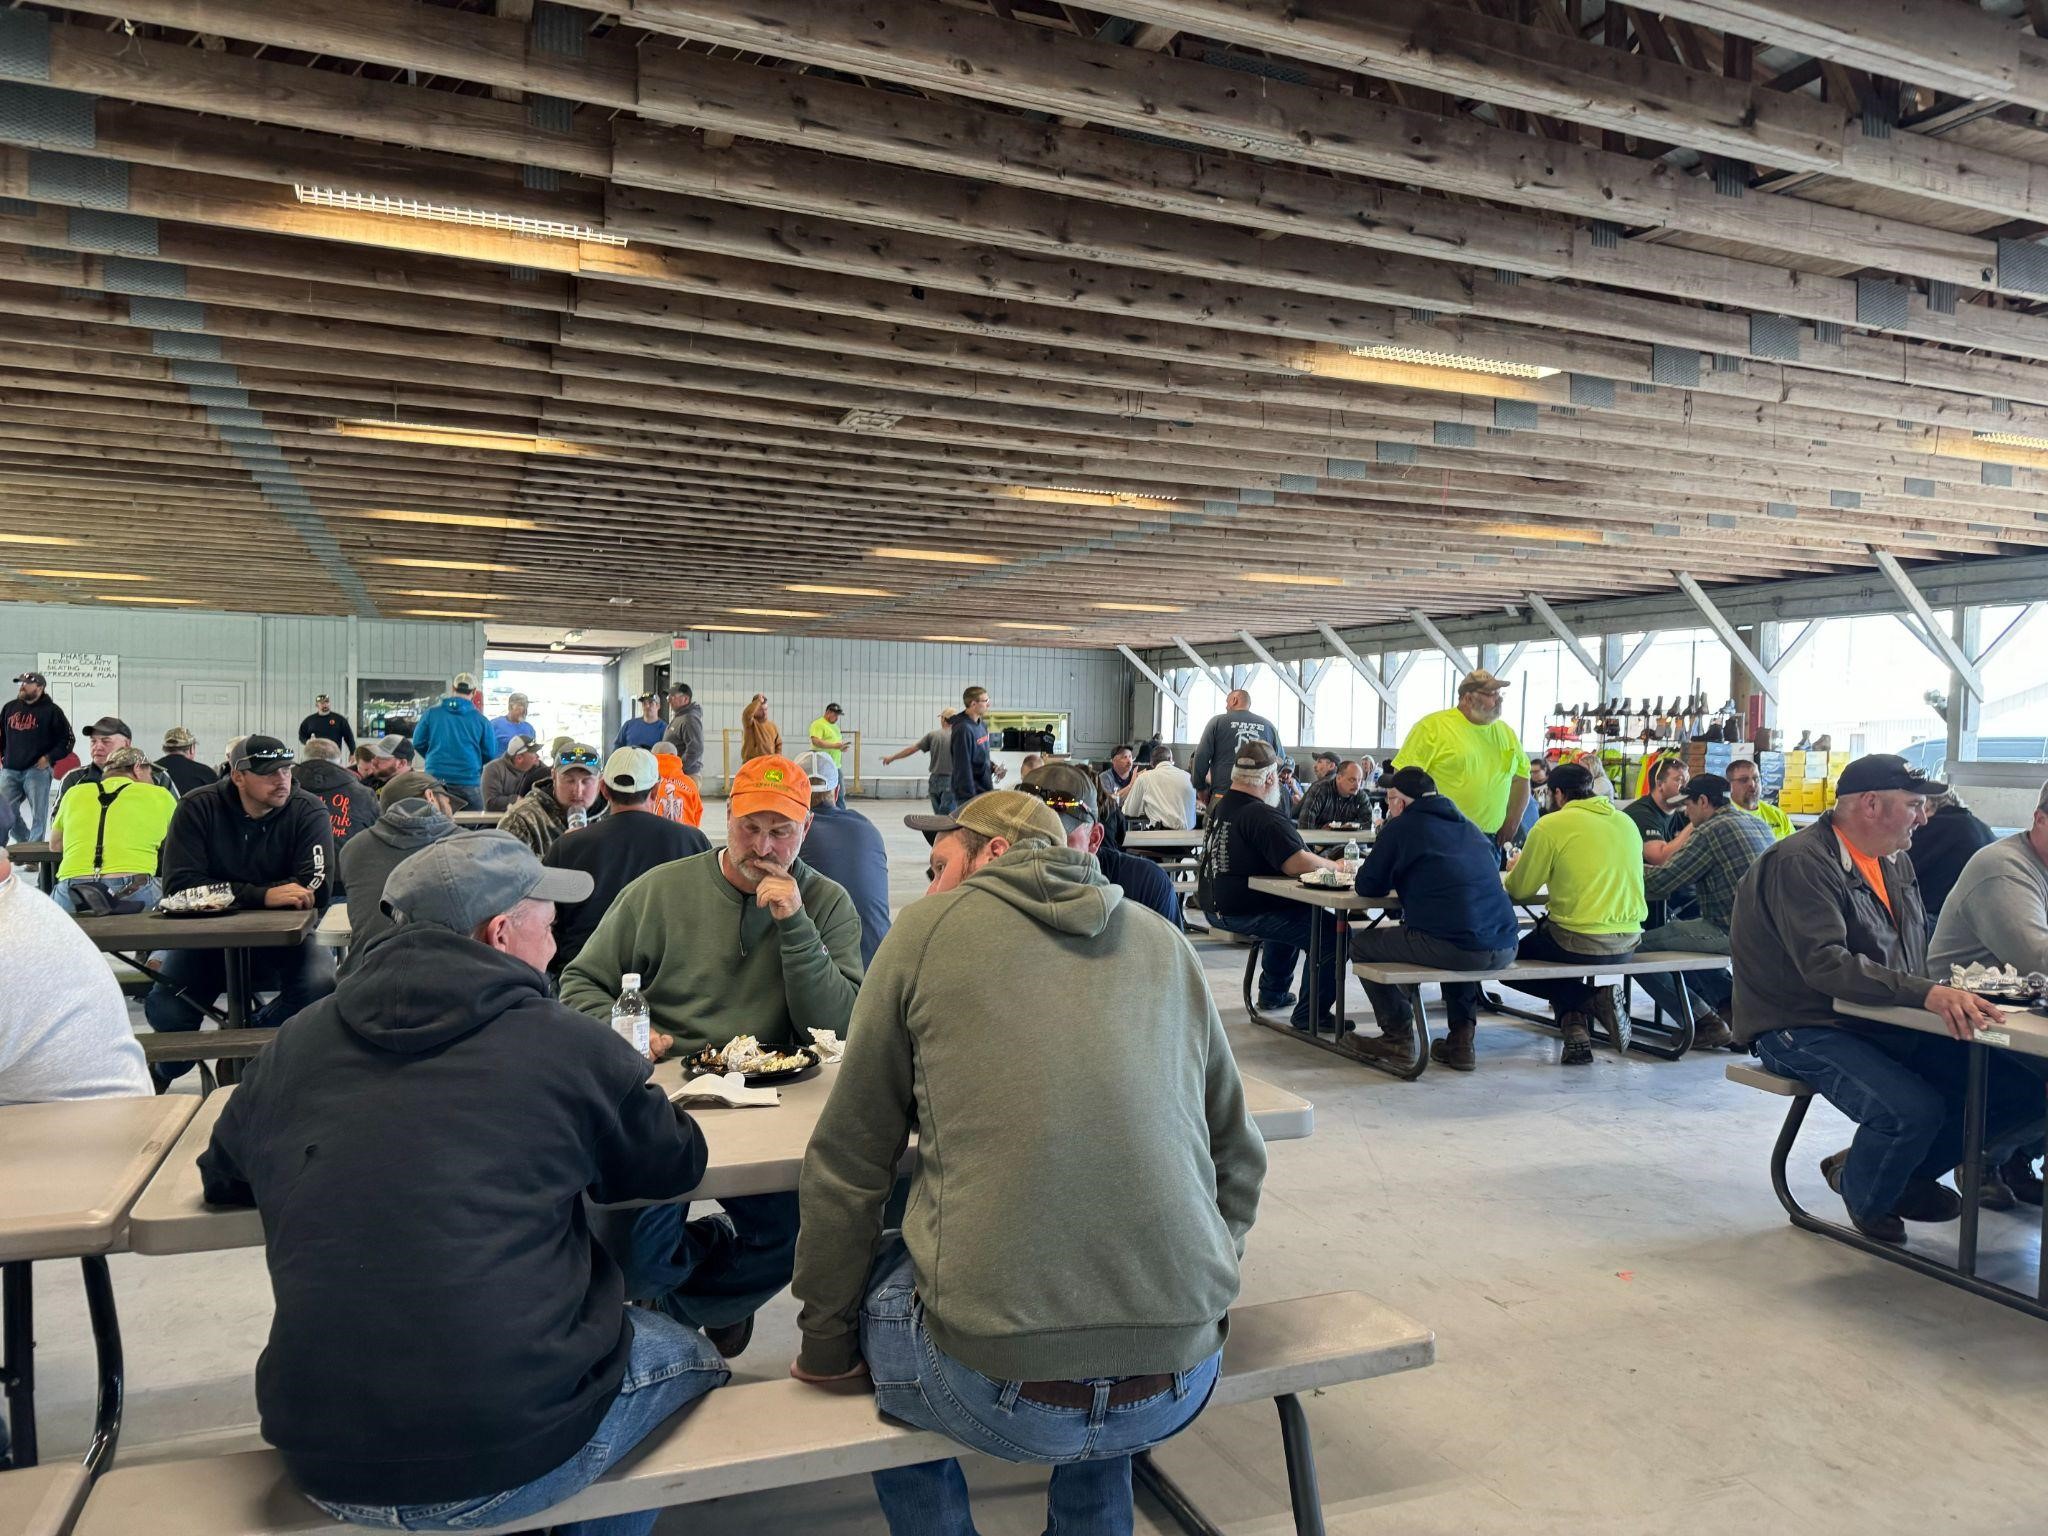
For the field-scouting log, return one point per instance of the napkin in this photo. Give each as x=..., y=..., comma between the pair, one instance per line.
x=827, y=1044
x=730, y=1090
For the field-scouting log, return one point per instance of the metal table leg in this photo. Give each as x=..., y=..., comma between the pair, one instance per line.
x=17, y=1356
x=1303, y=1493
x=1971, y=1179
x=1145, y=1472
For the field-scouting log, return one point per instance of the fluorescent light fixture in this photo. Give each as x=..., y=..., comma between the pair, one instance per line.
x=838, y=591
x=1551, y=533
x=959, y=639
x=451, y=213
x=447, y=613
x=936, y=556
x=735, y=629
x=1291, y=579
x=1007, y=624
x=55, y=575
x=159, y=602
x=460, y=597
x=451, y=519
x=37, y=538
x=413, y=563
x=1140, y=607
x=2013, y=440
x=453, y=437
x=1423, y=357
x=1078, y=495
x=777, y=613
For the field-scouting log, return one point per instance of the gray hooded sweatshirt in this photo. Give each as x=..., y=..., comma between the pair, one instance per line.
x=1101, y=1072
x=367, y=862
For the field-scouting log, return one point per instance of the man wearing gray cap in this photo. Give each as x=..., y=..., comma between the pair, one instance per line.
x=450, y=1348
x=415, y=813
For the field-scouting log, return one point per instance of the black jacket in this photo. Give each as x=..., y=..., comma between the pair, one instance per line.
x=32, y=731
x=1942, y=848
x=971, y=774
x=420, y=1144
x=213, y=839
x=329, y=725
x=185, y=773
x=615, y=850
x=351, y=805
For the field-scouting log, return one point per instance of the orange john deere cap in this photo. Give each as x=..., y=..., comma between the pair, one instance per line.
x=770, y=784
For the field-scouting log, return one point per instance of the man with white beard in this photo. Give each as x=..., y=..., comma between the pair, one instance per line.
x=1250, y=835
x=1474, y=757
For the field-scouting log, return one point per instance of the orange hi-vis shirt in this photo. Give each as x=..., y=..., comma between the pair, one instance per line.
x=1871, y=871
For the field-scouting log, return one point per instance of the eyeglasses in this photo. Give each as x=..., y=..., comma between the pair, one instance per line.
x=1060, y=800
x=576, y=757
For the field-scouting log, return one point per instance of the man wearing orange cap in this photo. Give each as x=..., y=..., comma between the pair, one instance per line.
x=744, y=940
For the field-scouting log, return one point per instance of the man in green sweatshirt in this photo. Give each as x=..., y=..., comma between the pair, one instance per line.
x=744, y=940
x=1086, y=1176
x=1589, y=856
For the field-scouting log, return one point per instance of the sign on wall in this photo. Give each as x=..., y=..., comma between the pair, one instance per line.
x=84, y=684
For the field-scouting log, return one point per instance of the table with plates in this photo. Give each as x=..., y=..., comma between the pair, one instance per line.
x=753, y=1151
x=134, y=937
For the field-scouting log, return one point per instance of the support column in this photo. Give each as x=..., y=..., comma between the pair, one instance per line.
x=1611, y=658
x=1965, y=709
x=1767, y=641
x=1390, y=720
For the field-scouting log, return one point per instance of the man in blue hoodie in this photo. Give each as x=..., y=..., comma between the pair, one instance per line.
x=1455, y=913
x=454, y=741
x=423, y=1139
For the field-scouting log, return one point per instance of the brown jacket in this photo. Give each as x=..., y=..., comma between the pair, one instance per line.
x=1807, y=931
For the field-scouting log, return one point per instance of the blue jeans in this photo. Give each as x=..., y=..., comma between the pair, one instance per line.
x=28, y=790
x=669, y=1366
x=1286, y=935
x=1711, y=990
x=466, y=797
x=707, y=1273
x=1090, y=1449
x=1904, y=1090
x=149, y=893
x=300, y=975
x=941, y=793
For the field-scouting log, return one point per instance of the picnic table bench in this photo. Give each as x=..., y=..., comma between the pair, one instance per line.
x=761, y=1435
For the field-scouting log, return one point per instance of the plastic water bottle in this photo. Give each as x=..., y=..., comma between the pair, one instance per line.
x=579, y=818
x=1351, y=851
x=629, y=1014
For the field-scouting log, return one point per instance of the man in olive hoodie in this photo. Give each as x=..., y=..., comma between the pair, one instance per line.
x=1103, y=1310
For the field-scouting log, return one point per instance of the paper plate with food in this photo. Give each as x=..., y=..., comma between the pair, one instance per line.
x=756, y=1062
x=199, y=901
x=1326, y=879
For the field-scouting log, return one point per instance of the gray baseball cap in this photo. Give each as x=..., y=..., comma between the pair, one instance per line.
x=468, y=879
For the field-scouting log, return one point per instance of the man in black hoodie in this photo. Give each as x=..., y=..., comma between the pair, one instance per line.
x=450, y=1347
x=33, y=735
x=351, y=804
x=272, y=844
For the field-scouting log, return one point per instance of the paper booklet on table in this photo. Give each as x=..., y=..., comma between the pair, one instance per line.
x=729, y=1090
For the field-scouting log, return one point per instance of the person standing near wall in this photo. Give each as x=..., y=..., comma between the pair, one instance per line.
x=33, y=735
x=1222, y=738
x=686, y=728
x=454, y=741
x=939, y=780
x=759, y=736
x=972, y=774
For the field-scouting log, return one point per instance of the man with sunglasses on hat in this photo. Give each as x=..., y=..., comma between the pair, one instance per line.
x=1072, y=796
x=568, y=798
x=746, y=940
x=33, y=735
x=1058, y=1289
x=273, y=844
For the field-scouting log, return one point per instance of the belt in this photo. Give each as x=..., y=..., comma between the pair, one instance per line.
x=1081, y=1394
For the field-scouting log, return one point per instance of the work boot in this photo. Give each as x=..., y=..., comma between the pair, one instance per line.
x=1930, y=1200
x=1617, y=1024
x=731, y=1339
x=1993, y=1193
x=1887, y=1228
x=1455, y=1049
x=1578, y=1041
x=2018, y=1173
x=1710, y=1032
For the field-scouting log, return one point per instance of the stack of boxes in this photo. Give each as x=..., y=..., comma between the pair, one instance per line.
x=1810, y=782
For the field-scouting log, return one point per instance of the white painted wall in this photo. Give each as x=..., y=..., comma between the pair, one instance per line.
x=279, y=661
x=892, y=690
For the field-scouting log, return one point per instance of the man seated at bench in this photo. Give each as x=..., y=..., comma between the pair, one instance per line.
x=1249, y=835
x=1455, y=914
x=1589, y=856
x=1090, y=1178
x=1997, y=914
x=1722, y=844
x=1833, y=913
x=450, y=1348
x=747, y=940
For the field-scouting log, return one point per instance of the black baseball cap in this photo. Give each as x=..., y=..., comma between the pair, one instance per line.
x=1712, y=785
x=260, y=754
x=1412, y=782
x=1885, y=770
x=109, y=725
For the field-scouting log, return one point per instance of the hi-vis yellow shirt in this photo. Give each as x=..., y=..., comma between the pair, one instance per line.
x=1474, y=765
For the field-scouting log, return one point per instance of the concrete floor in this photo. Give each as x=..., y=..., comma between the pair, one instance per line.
x=1630, y=1337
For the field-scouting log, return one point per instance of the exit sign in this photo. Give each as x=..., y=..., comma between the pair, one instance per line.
x=680, y=643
